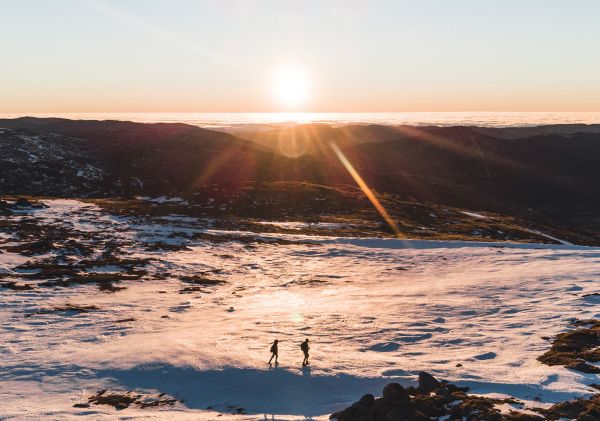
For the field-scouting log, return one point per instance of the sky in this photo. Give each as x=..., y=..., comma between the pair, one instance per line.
x=301, y=55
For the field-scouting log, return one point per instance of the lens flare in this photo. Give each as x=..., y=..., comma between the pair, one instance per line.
x=366, y=190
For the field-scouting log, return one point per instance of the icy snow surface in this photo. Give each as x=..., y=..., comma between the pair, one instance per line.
x=375, y=310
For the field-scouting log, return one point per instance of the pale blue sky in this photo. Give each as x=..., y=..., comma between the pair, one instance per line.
x=184, y=55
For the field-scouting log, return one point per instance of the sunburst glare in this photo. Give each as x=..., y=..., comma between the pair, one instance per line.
x=291, y=86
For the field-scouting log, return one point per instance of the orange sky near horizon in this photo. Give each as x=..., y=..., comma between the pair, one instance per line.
x=344, y=56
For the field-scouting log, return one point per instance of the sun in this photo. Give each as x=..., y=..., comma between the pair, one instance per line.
x=291, y=86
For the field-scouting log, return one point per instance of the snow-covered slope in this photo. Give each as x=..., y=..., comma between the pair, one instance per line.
x=375, y=310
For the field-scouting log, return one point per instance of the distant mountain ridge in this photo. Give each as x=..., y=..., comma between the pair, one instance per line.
x=550, y=174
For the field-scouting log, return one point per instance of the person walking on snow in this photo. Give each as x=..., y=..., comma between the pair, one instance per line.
x=304, y=347
x=274, y=351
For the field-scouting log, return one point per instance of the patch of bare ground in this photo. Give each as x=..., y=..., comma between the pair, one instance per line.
x=103, y=280
x=122, y=400
x=583, y=409
x=67, y=308
x=126, y=320
x=63, y=272
x=244, y=239
x=306, y=282
x=190, y=290
x=37, y=238
x=574, y=349
x=162, y=246
x=201, y=280
x=199, y=283
x=16, y=286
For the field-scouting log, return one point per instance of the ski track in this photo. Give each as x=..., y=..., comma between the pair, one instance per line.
x=375, y=310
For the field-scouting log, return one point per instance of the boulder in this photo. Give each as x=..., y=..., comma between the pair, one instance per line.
x=367, y=400
x=427, y=383
x=396, y=394
x=444, y=393
x=358, y=411
x=396, y=414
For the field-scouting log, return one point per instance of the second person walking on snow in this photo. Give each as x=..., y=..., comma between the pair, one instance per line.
x=304, y=347
x=274, y=351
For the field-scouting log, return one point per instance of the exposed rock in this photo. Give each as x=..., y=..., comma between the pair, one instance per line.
x=572, y=349
x=367, y=400
x=419, y=404
x=189, y=290
x=33, y=248
x=129, y=319
x=396, y=393
x=162, y=246
x=579, y=409
x=583, y=367
x=427, y=383
x=76, y=308
x=520, y=416
x=109, y=287
x=23, y=203
x=5, y=208
x=16, y=287
x=104, y=280
x=201, y=280
x=122, y=400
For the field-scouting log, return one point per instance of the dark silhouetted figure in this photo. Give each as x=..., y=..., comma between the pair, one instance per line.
x=274, y=351
x=304, y=347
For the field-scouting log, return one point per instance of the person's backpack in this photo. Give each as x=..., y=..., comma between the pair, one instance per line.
x=304, y=346
x=273, y=348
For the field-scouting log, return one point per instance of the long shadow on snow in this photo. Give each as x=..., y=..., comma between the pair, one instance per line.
x=274, y=391
x=279, y=391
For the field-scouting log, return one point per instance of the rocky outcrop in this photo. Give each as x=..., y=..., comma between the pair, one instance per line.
x=574, y=349
x=438, y=399
x=432, y=398
x=577, y=409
